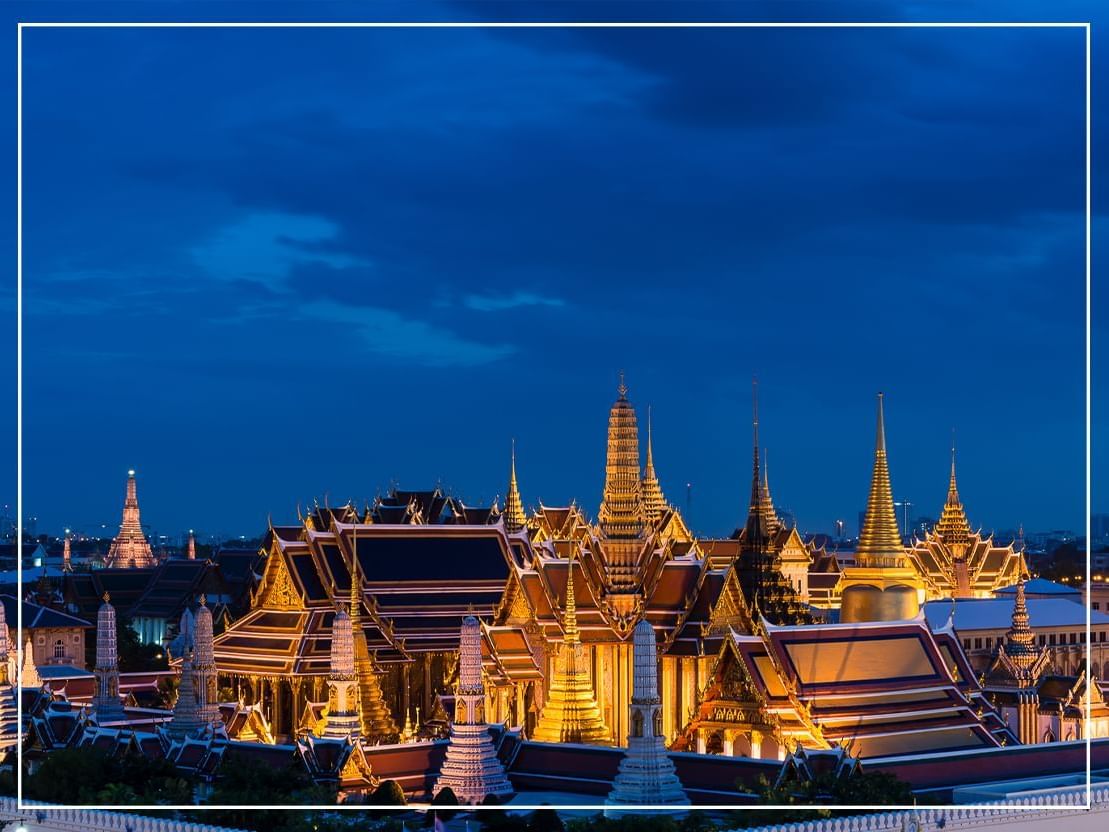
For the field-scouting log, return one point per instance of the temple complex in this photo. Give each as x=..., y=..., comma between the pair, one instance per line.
x=955, y=562
x=558, y=598
x=471, y=768
x=130, y=547
x=883, y=585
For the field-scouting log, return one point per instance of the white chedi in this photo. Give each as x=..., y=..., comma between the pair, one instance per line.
x=471, y=769
x=646, y=776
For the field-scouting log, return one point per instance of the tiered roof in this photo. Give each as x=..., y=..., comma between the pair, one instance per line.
x=876, y=688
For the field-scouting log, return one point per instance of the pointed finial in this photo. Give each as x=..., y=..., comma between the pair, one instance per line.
x=622, y=389
x=570, y=614
x=107, y=597
x=203, y=599
x=880, y=443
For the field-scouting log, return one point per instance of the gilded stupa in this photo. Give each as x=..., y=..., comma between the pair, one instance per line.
x=377, y=720
x=570, y=713
x=883, y=585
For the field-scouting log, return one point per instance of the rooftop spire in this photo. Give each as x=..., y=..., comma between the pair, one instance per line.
x=622, y=514
x=762, y=520
x=653, y=500
x=952, y=526
x=514, y=517
x=355, y=590
x=570, y=614
x=879, y=539
x=1020, y=640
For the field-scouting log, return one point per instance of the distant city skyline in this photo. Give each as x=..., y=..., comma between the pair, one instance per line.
x=389, y=259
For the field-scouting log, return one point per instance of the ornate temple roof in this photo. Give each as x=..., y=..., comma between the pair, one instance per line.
x=953, y=528
x=955, y=562
x=876, y=688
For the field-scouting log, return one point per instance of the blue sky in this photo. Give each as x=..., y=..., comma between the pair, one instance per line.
x=262, y=266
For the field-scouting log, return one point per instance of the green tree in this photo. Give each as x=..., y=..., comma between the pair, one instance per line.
x=388, y=793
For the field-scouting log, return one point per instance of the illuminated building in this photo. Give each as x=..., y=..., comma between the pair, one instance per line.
x=882, y=586
x=1038, y=704
x=558, y=598
x=955, y=562
x=130, y=547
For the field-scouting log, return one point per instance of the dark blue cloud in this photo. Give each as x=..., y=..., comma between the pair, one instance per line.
x=265, y=264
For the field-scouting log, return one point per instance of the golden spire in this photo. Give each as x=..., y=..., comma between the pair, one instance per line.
x=355, y=589
x=514, y=517
x=570, y=615
x=953, y=527
x=653, y=500
x=622, y=514
x=879, y=540
x=1020, y=641
x=571, y=713
x=762, y=520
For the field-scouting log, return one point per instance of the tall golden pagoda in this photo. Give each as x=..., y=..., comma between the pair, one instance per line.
x=882, y=586
x=570, y=713
x=622, y=517
x=653, y=500
x=514, y=517
x=377, y=720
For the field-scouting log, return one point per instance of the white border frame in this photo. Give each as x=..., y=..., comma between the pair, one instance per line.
x=520, y=25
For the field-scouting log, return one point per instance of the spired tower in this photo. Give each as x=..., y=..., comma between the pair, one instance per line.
x=622, y=516
x=1016, y=671
x=204, y=666
x=186, y=720
x=130, y=547
x=471, y=768
x=105, y=703
x=191, y=551
x=954, y=530
x=377, y=720
x=67, y=565
x=882, y=586
x=514, y=518
x=654, y=503
x=570, y=713
x=646, y=774
x=343, y=719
